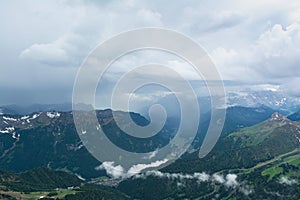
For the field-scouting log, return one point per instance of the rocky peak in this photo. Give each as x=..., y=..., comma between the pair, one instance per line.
x=278, y=116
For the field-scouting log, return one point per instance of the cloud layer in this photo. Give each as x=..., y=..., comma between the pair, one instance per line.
x=229, y=180
x=44, y=43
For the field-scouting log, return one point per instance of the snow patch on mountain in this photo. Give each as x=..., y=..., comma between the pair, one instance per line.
x=15, y=135
x=7, y=130
x=298, y=138
x=10, y=119
x=270, y=98
x=25, y=117
x=278, y=117
x=33, y=117
x=53, y=114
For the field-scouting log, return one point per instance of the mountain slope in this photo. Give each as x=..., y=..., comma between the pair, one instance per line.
x=262, y=155
x=50, y=139
x=295, y=116
x=263, y=161
x=37, y=179
x=236, y=118
x=50, y=184
x=246, y=147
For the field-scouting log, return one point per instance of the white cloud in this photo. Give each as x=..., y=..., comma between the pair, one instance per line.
x=276, y=53
x=225, y=19
x=294, y=15
x=88, y=24
x=117, y=171
x=202, y=177
x=246, y=190
x=199, y=177
x=136, y=169
x=291, y=86
x=111, y=169
x=151, y=154
x=218, y=178
x=150, y=17
x=231, y=64
x=273, y=57
x=52, y=53
x=231, y=180
x=287, y=181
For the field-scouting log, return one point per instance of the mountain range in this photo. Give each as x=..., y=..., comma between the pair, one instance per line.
x=257, y=157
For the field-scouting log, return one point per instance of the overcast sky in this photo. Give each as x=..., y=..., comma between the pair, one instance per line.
x=43, y=43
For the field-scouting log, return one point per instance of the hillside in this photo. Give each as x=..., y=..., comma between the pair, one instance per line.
x=246, y=147
x=295, y=116
x=37, y=179
x=257, y=162
x=265, y=155
x=49, y=184
x=50, y=139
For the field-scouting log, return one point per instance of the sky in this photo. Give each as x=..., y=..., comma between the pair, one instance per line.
x=43, y=43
